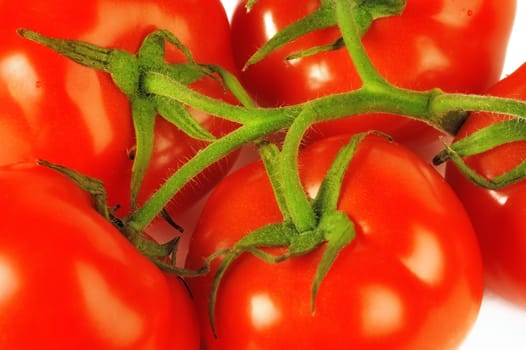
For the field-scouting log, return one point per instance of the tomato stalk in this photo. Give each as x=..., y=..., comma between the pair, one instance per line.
x=163, y=82
x=149, y=210
x=157, y=87
x=260, y=122
x=330, y=226
x=126, y=71
x=95, y=188
x=298, y=203
x=348, y=18
x=271, y=157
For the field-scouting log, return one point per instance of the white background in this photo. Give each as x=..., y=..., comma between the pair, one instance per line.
x=500, y=326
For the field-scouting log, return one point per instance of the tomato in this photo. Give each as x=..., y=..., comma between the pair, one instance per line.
x=70, y=280
x=411, y=278
x=423, y=48
x=77, y=117
x=498, y=215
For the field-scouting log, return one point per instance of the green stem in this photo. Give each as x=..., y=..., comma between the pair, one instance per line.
x=162, y=85
x=445, y=103
x=369, y=99
x=234, y=86
x=271, y=157
x=352, y=36
x=441, y=110
x=298, y=204
x=212, y=153
x=390, y=99
x=144, y=123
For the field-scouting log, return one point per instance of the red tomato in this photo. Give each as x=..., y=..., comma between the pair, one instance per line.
x=423, y=48
x=70, y=280
x=498, y=216
x=75, y=116
x=411, y=279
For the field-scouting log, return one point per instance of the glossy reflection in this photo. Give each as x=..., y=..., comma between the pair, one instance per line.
x=21, y=80
x=432, y=58
x=270, y=25
x=9, y=282
x=91, y=105
x=500, y=196
x=383, y=311
x=426, y=258
x=319, y=74
x=263, y=312
x=115, y=320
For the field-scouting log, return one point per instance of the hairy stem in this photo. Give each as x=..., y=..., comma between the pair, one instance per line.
x=352, y=37
x=212, y=153
x=441, y=110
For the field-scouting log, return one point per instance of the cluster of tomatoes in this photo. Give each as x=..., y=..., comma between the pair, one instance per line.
x=412, y=278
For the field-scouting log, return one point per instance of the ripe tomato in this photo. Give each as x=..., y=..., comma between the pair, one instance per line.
x=70, y=280
x=411, y=279
x=57, y=110
x=423, y=48
x=498, y=216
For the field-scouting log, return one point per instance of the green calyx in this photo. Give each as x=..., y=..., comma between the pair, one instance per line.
x=127, y=71
x=332, y=228
x=95, y=188
x=483, y=140
x=163, y=255
x=362, y=12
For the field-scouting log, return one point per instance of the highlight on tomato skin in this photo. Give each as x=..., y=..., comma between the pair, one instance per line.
x=411, y=279
x=423, y=48
x=77, y=117
x=497, y=215
x=70, y=280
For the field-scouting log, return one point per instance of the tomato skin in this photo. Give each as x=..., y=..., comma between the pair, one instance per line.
x=498, y=216
x=411, y=279
x=70, y=280
x=75, y=116
x=421, y=49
